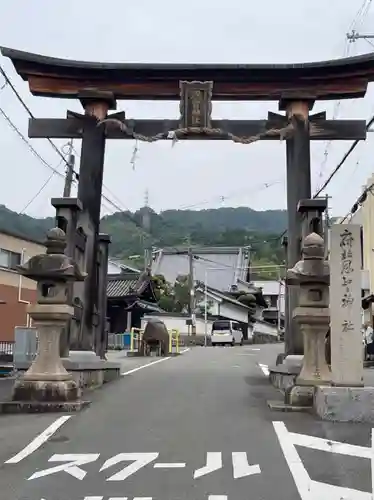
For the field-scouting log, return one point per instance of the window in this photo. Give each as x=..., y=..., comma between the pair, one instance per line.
x=221, y=325
x=9, y=259
x=236, y=326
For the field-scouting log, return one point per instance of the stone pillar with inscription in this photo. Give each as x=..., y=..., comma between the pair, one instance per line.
x=346, y=399
x=346, y=323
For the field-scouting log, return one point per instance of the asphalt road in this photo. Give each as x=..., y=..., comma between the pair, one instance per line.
x=194, y=427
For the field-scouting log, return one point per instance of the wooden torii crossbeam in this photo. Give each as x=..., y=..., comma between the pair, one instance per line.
x=100, y=85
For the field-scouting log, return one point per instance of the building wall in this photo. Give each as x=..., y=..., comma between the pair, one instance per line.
x=15, y=290
x=220, y=269
x=179, y=323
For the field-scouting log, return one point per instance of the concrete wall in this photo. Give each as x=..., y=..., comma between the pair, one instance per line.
x=179, y=323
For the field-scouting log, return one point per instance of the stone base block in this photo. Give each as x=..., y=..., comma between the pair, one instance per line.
x=87, y=373
x=280, y=358
x=295, y=361
x=285, y=407
x=8, y=407
x=265, y=338
x=283, y=377
x=300, y=395
x=45, y=390
x=345, y=404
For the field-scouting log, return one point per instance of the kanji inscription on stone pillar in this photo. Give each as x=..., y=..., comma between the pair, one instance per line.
x=345, y=305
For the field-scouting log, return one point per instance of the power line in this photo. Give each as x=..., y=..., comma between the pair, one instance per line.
x=360, y=14
x=258, y=188
x=27, y=143
x=28, y=110
x=343, y=160
x=360, y=200
x=43, y=186
x=337, y=168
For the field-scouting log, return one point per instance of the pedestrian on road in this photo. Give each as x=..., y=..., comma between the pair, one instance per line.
x=369, y=340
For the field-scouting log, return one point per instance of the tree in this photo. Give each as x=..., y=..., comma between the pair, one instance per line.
x=172, y=298
x=225, y=226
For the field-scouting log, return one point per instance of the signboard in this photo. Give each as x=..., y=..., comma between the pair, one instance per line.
x=196, y=104
x=345, y=305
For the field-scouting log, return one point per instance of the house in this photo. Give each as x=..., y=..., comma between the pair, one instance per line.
x=221, y=305
x=273, y=292
x=221, y=267
x=116, y=266
x=15, y=290
x=129, y=296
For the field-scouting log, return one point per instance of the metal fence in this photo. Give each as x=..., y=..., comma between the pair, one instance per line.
x=119, y=341
x=6, y=347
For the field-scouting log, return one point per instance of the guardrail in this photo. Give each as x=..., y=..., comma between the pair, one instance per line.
x=6, y=347
x=174, y=341
x=136, y=337
x=122, y=341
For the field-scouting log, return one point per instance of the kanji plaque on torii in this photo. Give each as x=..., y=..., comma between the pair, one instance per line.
x=100, y=85
x=196, y=104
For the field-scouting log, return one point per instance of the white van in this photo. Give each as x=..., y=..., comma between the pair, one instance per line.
x=225, y=332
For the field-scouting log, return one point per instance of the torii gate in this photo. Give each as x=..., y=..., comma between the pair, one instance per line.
x=99, y=86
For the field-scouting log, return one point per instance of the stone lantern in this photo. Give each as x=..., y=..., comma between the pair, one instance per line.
x=47, y=386
x=312, y=274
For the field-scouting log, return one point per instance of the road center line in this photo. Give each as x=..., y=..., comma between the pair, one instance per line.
x=150, y=364
x=39, y=440
x=145, y=366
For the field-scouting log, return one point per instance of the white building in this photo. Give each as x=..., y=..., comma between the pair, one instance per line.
x=222, y=267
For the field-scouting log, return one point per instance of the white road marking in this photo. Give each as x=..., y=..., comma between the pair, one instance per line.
x=139, y=460
x=145, y=366
x=372, y=461
x=254, y=349
x=39, y=440
x=152, y=363
x=241, y=467
x=117, y=498
x=309, y=489
x=217, y=497
x=265, y=369
x=176, y=465
x=321, y=444
x=213, y=463
x=93, y=498
x=74, y=460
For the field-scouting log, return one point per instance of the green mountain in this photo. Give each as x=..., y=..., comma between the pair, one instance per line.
x=211, y=227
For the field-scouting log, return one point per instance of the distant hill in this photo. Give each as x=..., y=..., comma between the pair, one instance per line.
x=222, y=226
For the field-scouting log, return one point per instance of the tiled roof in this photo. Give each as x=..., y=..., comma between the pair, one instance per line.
x=221, y=295
x=120, y=287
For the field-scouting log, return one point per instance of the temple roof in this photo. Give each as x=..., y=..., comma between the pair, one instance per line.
x=333, y=79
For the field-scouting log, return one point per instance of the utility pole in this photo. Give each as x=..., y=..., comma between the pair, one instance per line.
x=353, y=36
x=191, y=288
x=69, y=171
x=326, y=229
x=146, y=222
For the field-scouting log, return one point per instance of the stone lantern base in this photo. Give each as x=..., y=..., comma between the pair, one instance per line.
x=46, y=386
x=46, y=390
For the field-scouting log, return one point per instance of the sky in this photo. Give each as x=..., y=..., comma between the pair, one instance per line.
x=191, y=174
